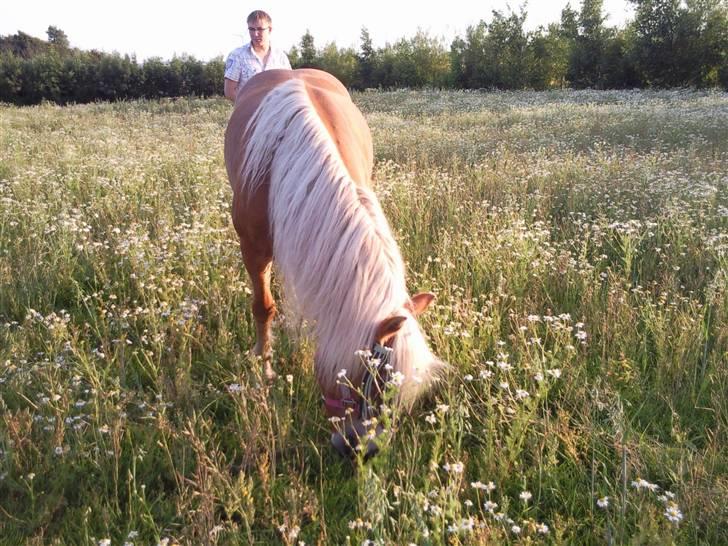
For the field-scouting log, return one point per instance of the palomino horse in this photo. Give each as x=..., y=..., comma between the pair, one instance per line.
x=299, y=158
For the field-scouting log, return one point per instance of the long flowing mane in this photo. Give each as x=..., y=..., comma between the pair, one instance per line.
x=341, y=267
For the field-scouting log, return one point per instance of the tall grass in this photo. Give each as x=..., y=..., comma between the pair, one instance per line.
x=577, y=243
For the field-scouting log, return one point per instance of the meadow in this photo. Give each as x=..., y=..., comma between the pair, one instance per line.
x=577, y=242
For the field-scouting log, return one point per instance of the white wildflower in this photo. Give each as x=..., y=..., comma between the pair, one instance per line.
x=397, y=379
x=454, y=468
x=639, y=483
x=504, y=366
x=490, y=486
x=673, y=513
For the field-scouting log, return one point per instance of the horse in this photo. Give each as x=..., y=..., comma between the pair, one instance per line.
x=299, y=159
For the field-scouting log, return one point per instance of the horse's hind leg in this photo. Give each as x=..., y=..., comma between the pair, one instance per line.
x=264, y=309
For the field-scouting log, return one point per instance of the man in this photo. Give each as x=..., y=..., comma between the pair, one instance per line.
x=258, y=55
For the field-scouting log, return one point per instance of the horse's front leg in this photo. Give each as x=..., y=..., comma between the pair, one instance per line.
x=264, y=309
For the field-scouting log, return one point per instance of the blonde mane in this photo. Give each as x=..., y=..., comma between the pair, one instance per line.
x=341, y=267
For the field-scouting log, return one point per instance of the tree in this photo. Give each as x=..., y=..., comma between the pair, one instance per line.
x=467, y=57
x=367, y=60
x=548, y=58
x=11, y=81
x=23, y=45
x=618, y=70
x=680, y=43
x=415, y=62
x=493, y=56
x=589, y=46
x=308, y=51
x=342, y=63
x=213, y=77
x=294, y=57
x=654, y=52
x=703, y=35
x=508, y=50
x=57, y=38
x=569, y=23
x=41, y=78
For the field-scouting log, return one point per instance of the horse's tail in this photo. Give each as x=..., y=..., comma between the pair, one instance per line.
x=341, y=266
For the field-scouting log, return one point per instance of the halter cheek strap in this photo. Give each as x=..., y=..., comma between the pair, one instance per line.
x=375, y=377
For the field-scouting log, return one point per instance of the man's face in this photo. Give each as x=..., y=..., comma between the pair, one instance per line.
x=260, y=33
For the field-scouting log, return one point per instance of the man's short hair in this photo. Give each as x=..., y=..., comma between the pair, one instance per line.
x=259, y=15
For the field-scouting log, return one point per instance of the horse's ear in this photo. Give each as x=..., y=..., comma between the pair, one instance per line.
x=388, y=328
x=420, y=302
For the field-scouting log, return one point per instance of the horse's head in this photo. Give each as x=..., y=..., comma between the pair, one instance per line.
x=399, y=347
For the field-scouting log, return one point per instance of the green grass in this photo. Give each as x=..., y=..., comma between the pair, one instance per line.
x=578, y=246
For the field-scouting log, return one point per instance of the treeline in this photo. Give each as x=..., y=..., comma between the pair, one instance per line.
x=33, y=70
x=669, y=43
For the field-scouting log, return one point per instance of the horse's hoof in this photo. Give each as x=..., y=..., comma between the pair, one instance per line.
x=270, y=375
x=266, y=358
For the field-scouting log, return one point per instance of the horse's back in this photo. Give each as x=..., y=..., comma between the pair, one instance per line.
x=342, y=119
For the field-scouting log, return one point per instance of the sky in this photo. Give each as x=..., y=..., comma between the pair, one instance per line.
x=162, y=28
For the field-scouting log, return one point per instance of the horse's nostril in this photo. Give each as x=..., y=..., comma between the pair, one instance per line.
x=341, y=445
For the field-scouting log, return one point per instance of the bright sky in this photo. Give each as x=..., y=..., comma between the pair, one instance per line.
x=163, y=28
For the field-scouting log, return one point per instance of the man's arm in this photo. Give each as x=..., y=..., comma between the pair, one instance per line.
x=231, y=89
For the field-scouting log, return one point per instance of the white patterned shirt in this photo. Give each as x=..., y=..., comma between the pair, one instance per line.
x=242, y=63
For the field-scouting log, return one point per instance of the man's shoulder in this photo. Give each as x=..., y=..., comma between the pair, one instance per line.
x=239, y=51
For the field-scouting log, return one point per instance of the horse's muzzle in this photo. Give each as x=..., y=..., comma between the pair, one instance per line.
x=354, y=433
